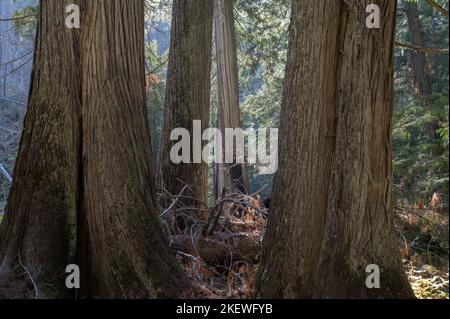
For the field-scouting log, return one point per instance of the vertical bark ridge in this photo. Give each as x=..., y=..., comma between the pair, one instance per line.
x=289, y=255
x=359, y=228
x=229, y=177
x=129, y=258
x=40, y=221
x=338, y=219
x=83, y=190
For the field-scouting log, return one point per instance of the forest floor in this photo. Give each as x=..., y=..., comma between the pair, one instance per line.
x=223, y=261
x=424, y=247
x=221, y=253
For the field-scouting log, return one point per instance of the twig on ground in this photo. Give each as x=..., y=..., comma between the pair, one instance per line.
x=5, y=173
x=174, y=203
x=36, y=292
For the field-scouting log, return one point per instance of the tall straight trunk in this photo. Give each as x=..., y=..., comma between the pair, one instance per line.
x=421, y=80
x=293, y=240
x=38, y=233
x=418, y=60
x=332, y=210
x=188, y=91
x=127, y=251
x=230, y=177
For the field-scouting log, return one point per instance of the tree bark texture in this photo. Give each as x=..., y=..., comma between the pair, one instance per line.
x=38, y=233
x=188, y=91
x=230, y=177
x=127, y=251
x=332, y=210
x=83, y=188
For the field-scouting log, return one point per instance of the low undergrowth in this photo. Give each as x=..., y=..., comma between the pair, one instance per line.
x=223, y=262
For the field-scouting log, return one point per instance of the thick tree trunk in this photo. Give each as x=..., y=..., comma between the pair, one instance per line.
x=332, y=208
x=38, y=233
x=359, y=228
x=418, y=60
x=188, y=91
x=83, y=189
x=128, y=255
x=230, y=177
x=291, y=248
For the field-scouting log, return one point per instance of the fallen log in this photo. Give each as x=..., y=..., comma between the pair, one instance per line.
x=237, y=226
x=219, y=248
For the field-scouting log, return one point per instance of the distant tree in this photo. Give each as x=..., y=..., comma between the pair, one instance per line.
x=332, y=213
x=262, y=40
x=420, y=136
x=230, y=177
x=188, y=91
x=418, y=60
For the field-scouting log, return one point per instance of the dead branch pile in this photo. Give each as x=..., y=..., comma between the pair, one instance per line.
x=219, y=246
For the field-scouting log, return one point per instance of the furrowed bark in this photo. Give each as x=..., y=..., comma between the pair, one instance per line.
x=38, y=233
x=337, y=217
x=230, y=177
x=359, y=228
x=128, y=255
x=83, y=189
x=188, y=92
x=293, y=240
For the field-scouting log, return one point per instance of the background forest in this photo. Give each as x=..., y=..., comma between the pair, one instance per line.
x=421, y=127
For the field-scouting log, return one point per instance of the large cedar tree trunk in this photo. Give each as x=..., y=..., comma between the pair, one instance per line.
x=230, y=177
x=332, y=210
x=83, y=188
x=38, y=233
x=129, y=255
x=188, y=91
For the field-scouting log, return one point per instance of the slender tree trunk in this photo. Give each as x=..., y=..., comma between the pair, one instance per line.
x=38, y=233
x=188, y=91
x=421, y=80
x=332, y=210
x=418, y=60
x=128, y=255
x=230, y=177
